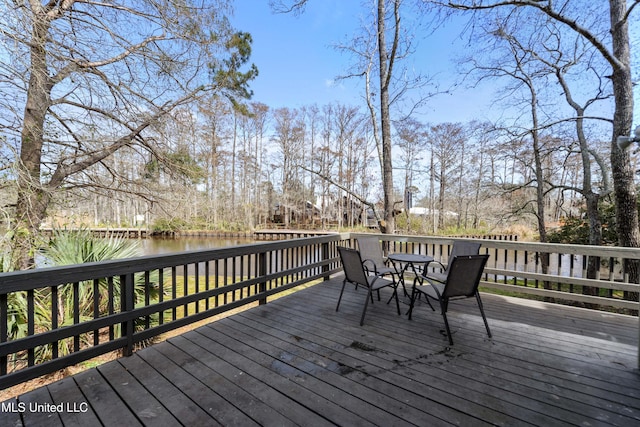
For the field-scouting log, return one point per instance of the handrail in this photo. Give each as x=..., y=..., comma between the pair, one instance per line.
x=195, y=285
x=190, y=286
x=516, y=267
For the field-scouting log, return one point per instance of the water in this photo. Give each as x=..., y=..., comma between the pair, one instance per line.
x=156, y=246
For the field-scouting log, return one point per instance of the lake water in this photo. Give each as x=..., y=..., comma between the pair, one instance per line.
x=155, y=246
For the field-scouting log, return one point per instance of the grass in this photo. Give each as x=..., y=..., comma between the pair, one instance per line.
x=193, y=286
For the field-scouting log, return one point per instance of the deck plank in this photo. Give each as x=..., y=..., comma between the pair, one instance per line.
x=110, y=408
x=375, y=405
x=400, y=367
x=217, y=407
x=10, y=413
x=146, y=408
x=33, y=415
x=67, y=391
x=296, y=361
x=332, y=400
x=165, y=392
x=228, y=390
x=197, y=345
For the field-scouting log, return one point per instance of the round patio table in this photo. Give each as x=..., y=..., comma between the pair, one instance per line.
x=404, y=261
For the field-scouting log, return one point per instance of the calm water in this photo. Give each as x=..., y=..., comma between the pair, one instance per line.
x=154, y=246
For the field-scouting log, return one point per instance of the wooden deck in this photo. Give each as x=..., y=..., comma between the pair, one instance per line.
x=295, y=361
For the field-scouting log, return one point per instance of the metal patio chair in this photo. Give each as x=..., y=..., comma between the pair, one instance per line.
x=462, y=280
x=354, y=272
x=372, y=257
x=460, y=247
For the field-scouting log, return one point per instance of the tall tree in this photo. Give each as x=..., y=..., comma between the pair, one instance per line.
x=112, y=68
x=411, y=140
x=289, y=136
x=387, y=56
x=444, y=139
x=613, y=45
x=378, y=52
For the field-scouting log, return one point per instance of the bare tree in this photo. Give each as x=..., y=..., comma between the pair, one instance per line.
x=412, y=142
x=112, y=67
x=378, y=53
x=444, y=139
x=289, y=135
x=612, y=43
x=215, y=119
x=480, y=136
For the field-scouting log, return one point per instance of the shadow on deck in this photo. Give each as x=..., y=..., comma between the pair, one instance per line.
x=295, y=361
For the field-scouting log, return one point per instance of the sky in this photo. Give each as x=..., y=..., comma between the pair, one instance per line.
x=298, y=63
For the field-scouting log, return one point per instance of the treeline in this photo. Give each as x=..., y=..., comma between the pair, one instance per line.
x=237, y=168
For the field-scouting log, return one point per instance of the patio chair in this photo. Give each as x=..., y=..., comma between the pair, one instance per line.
x=354, y=272
x=372, y=257
x=460, y=247
x=462, y=280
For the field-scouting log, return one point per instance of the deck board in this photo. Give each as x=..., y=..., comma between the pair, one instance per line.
x=67, y=391
x=296, y=361
x=171, y=397
x=105, y=400
x=144, y=405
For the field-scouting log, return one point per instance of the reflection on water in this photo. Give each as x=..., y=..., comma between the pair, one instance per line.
x=155, y=246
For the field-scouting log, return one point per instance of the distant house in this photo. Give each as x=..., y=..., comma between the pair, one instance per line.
x=286, y=214
x=420, y=211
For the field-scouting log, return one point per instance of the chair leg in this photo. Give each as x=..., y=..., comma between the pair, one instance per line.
x=486, y=324
x=395, y=292
x=390, y=298
x=446, y=325
x=366, y=303
x=428, y=300
x=443, y=306
x=413, y=300
x=344, y=282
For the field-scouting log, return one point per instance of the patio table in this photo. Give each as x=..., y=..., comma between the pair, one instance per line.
x=405, y=261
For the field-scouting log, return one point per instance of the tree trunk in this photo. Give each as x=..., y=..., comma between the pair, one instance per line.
x=33, y=199
x=442, y=194
x=388, y=224
x=623, y=174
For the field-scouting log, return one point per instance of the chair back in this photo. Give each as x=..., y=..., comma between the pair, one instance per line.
x=462, y=247
x=352, y=266
x=464, y=275
x=371, y=250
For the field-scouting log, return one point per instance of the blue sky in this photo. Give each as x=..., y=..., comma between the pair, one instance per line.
x=297, y=62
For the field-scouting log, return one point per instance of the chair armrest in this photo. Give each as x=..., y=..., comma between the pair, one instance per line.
x=440, y=265
x=366, y=263
x=439, y=277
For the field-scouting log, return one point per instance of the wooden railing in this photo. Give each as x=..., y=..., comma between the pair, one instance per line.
x=517, y=267
x=49, y=318
x=144, y=297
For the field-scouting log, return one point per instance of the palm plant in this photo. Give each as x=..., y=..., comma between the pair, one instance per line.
x=80, y=246
x=77, y=247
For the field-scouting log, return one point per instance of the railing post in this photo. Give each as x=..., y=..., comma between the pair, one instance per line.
x=4, y=330
x=127, y=304
x=262, y=271
x=325, y=257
